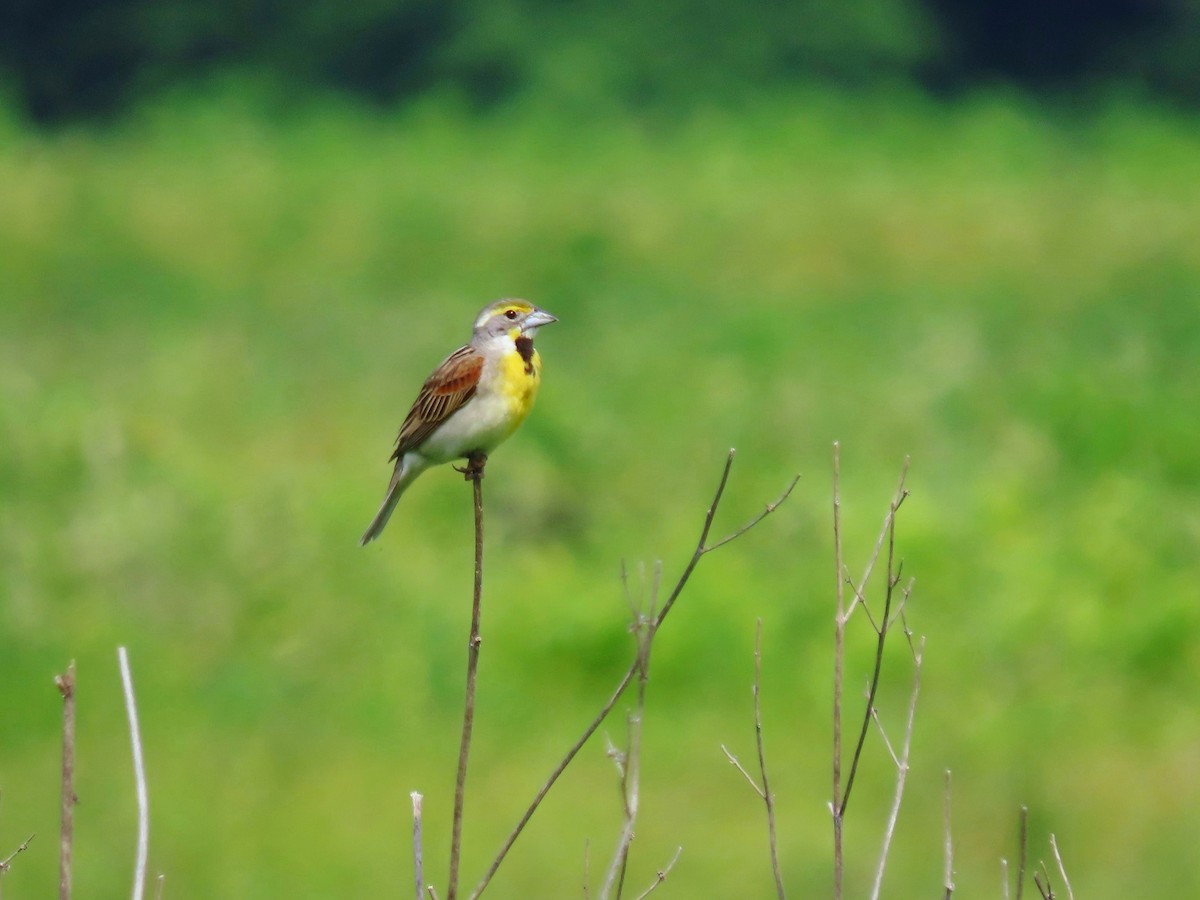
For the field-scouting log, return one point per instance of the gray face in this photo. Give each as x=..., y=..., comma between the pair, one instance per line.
x=516, y=318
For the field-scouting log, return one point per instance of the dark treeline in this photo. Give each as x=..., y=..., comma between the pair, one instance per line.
x=72, y=58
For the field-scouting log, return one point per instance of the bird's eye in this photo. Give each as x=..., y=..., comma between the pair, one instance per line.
x=510, y=314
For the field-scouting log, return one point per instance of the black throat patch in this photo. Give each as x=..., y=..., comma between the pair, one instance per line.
x=525, y=348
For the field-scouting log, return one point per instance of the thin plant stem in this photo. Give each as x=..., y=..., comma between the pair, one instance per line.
x=736, y=763
x=1024, y=840
x=139, y=774
x=418, y=852
x=66, y=687
x=768, y=797
x=841, y=795
x=881, y=639
x=630, y=765
x=614, y=879
x=1041, y=880
x=901, y=771
x=6, y=863
x=661, y=876
x=839, y=652
x=1062, y=870
x=947, y=844
x=702, y=547
x=474, y=474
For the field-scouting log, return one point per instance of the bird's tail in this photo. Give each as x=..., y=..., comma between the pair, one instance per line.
x=402, y=477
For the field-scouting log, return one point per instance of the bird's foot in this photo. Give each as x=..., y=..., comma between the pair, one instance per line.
x=473, y=470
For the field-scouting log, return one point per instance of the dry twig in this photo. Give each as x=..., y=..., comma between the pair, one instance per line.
x=629, y=762
x=662, y=875
x=1041, y=881
x=901, y=768
x=1062, y=870
x=6, y=863
x=418, y=853
x=839, y=652
x=763, y=792
x=1022, y=850
x=702, y=547
x=139, y=774
x=947, y=846
x=66, y=687
x=474, y=474
x=841, y=797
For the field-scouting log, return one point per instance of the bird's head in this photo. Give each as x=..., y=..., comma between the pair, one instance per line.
x=514, y=318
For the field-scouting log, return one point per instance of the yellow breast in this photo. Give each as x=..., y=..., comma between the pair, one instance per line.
x=519, y=382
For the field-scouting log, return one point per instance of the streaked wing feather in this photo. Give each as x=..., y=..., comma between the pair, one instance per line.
x=444, y=392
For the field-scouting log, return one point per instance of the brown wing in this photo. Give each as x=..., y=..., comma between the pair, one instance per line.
x=444, y=392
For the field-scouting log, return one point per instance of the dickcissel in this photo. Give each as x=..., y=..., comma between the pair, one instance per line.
x=472, y=402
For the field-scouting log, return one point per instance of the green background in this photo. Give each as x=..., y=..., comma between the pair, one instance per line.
x=218, y=307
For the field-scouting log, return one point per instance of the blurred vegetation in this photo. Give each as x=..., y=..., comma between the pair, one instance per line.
x=86, y=58
x=218, y=308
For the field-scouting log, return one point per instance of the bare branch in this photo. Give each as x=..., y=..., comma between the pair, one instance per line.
x=839, y=653
x=418, y=850
x=901, y=496
x=1023, y=850
x=901, y=773
x=587, y=865
x=139, y=774
x=158, y=891
x=662, y=875
x=883, y=736
x=890, y=534
x=474, y=474
x=767, y=510
x=1042, y=881
x=947, y=846
x=1062, y=870
x=841, y=795
x=700, y=549
x=750, y=778
x=768, y=797
x=629, y=764
x=1004, y=875
x=6, y=863
x=67, y=798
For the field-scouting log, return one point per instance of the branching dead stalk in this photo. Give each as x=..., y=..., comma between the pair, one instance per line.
x=661, y=876
x=702, y=547
x=629, y=762
x=882, y=625
x=66, y=687
x=901, y=760
x=768, y=797
x=763, y=792
x=139, y=774
x=1041, y=880
x=474, y=474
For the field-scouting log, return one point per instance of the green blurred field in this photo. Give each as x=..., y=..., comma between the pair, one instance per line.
x=216, y=314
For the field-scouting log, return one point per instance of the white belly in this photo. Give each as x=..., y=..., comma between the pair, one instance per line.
x=483, y=424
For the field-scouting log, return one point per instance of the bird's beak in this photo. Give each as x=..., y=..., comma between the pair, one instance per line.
x=536, y=320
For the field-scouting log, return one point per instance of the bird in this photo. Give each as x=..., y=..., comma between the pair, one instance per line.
x=473, y=401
